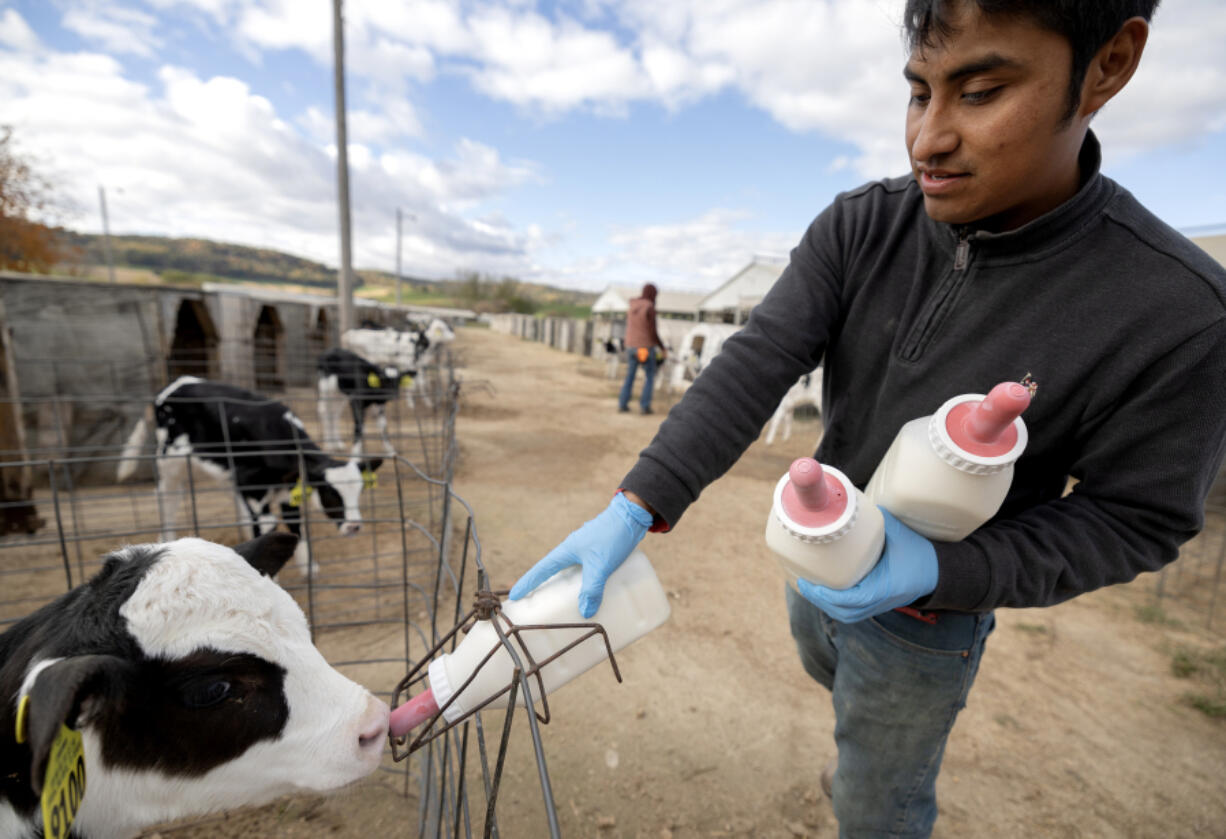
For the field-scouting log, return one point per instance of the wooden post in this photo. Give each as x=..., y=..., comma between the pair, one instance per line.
x=17, y=511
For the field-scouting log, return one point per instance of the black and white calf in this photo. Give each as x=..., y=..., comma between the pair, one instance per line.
x=362, y=385
x=252, y=442
x=414, y=349
x=614, y=349
x=806, y=391
x=387, y=347
x=192, y=679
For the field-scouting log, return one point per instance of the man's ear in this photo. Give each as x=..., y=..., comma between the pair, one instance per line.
x=268, y=553
x=59, y=693
x=1113, y=65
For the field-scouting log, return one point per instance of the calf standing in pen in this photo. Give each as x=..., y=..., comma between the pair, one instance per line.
x=363, y=385
x=806, y=391
x=254, y=443
x=388, y=347
x=195, y=687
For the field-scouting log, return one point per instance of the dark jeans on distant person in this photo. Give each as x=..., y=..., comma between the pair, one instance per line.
x=897, y=684
x=649, y=378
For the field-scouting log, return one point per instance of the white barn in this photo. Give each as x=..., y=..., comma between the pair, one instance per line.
x=731, y=302
x=614, y=302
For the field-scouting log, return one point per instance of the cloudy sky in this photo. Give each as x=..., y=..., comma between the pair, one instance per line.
x=573, y=142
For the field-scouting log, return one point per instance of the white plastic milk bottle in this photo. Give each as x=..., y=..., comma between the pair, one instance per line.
x=634, y=603
x=946, y=474
x=822, y=528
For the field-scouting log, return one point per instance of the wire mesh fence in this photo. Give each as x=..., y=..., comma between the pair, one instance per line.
x=378, y=597
x=1189, y=590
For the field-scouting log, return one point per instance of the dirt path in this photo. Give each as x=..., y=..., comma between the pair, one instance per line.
x=1075, y=727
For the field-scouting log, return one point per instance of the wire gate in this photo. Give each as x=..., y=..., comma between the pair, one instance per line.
x=374, y=600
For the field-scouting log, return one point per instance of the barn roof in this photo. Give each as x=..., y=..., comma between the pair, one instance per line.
x=616, y=300
x=746, y=287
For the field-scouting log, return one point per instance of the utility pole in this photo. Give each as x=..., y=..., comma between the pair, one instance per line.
x=344, y=283
x=106, y=234
x=398, y=257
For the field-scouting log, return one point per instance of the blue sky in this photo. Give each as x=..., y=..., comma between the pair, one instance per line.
x=576, y=142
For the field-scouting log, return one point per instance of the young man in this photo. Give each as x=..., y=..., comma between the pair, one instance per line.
x=1005, y=254
x=642, y=338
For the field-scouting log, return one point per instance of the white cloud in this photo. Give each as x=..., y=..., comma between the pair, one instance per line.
x=396, y=119
x=693, y=255
x=120, y=30
x=528, y=60
x=286, y=24
x=15, y=33
x=1179, y=93
x=199, y=156
x=221, y=11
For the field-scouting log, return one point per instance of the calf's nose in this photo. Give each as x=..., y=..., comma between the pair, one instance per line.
x=373, y=730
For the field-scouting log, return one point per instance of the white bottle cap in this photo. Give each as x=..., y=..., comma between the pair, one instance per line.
x=978, y=434
x=815, y=503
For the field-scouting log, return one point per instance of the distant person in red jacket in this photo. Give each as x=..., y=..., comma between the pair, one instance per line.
x=641, y=341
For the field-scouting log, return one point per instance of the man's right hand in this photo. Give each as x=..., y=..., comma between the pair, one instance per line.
x=601, y=545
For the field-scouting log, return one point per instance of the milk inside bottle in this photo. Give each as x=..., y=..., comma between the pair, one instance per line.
x=946, y=474
x=634, y=603
x=821, y=527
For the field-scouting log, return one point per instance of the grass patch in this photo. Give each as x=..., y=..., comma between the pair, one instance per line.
x=1207, y=668
x=1034, y=628
x=1210, y=706
x=1152, y=613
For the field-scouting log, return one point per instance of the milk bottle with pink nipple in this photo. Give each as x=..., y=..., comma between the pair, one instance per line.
x=946, y=474
x=821, y=527
x=463, y=680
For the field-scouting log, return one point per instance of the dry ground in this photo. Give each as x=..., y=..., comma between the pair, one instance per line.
x=1075, y=727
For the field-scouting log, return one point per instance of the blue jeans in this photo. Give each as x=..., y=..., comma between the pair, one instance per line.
x=897, y=684
x=649, y=378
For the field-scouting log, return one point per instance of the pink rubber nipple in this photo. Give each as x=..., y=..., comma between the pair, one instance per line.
x=413, y=713
x=986, y=428
x=812, y=497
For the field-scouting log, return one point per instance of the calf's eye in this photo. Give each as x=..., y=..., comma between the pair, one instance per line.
x=204, y=694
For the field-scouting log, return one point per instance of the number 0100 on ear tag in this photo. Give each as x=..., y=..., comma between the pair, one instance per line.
x=64, y=787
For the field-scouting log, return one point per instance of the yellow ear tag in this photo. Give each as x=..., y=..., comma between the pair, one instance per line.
x=372, y=379
x=64, y=783
x=369, y=479
x=406, y=380
x=23, y=711
x=64, y=786
x=298, y=493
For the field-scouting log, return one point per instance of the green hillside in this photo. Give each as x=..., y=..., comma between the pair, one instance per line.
x=161, y=259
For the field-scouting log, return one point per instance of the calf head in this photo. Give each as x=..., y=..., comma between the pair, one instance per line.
x=339, y=485
x=417, y=343
x=193, y=680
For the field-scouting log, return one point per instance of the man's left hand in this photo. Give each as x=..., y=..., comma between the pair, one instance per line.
x=906, y=572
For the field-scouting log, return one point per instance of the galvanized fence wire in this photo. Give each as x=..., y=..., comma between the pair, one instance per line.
x=1189, y=590
x=375, y=600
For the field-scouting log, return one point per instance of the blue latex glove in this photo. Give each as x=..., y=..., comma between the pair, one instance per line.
x=601, y=545
x=906, y=572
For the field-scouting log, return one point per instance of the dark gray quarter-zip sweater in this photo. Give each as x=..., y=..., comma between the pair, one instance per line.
x=1120, y=321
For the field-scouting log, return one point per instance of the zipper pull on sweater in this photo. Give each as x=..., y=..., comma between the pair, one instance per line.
x=962, y=254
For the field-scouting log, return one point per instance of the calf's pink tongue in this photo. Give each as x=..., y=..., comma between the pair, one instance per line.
x=412, y=714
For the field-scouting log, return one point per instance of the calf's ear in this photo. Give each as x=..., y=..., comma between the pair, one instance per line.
x=93, y=683
x=268, y=553
x=370, y=464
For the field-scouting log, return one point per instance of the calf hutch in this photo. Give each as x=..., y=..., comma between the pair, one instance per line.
x=382, y=583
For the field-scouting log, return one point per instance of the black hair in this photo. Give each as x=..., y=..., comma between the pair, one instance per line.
x=1086, y=24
